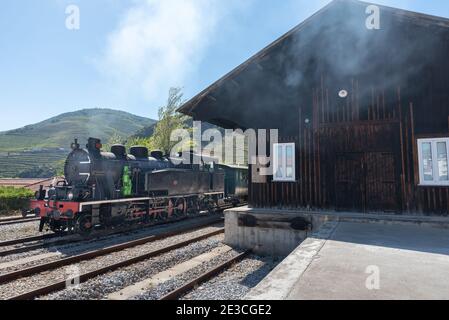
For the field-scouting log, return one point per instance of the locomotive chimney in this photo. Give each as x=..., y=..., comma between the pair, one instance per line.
x=94, y=145
x=75, y=145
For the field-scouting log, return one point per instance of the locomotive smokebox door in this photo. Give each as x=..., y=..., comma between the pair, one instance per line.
x=78, y=167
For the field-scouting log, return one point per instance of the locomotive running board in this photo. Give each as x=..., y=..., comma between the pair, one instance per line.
x=95, y=203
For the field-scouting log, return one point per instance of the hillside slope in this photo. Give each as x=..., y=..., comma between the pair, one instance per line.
x=39, y=150
x=59, y=132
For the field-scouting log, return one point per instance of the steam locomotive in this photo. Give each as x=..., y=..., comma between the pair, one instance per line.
x=111, y=188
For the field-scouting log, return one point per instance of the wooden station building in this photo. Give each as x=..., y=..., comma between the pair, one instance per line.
x=362, y=111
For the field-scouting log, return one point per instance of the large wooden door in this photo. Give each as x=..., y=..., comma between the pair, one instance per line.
x=350, y=182
x=366, y=182
x=381, y=182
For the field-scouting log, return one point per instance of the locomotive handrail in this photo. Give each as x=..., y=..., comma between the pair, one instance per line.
x=91, y=203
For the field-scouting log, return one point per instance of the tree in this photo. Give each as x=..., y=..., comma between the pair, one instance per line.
x=169, y=120
x=114, y=139
x=136, y=141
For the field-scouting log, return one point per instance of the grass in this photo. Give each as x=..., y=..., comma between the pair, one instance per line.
x=14, y=199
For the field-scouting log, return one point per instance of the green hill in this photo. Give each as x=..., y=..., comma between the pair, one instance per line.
x=59, y=132
x=40, y=149
x=145, y=132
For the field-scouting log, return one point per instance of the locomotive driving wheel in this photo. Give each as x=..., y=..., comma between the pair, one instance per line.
x=193, y=206
x=180, y=208
x=209, y=205
x=163, y=216
x=84, y=225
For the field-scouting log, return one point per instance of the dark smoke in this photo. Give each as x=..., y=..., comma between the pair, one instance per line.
x=334, y=47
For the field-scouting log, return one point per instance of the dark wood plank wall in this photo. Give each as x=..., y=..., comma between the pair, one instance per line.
x=419, y=199
x=381, y=137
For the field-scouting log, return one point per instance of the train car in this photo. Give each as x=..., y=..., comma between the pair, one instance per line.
x=106, y=189
x=236, y=183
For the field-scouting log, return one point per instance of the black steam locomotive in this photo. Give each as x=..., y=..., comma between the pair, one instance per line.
x=112, y=188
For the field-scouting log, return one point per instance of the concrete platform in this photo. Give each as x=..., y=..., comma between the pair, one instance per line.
x=359, y=260
x=279, y=232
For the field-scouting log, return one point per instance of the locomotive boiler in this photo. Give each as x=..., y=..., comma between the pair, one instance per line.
x=105, y=189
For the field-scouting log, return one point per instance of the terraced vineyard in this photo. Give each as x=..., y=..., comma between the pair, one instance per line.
x=58, y=132
x=12, y=164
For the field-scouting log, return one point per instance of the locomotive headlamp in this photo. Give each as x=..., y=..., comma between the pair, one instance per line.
x=70, y=196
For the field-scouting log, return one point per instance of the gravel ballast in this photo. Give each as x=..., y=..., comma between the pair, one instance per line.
x=83, y=246
x=232, y=284
x=29, y=283
x=168, y=286
x=19, y=230
x=100, y=287
x=236, y=282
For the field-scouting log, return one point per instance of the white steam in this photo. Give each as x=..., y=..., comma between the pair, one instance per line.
x=159, y=43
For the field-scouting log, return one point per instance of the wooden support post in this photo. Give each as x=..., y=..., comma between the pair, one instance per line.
x=403, y=191
x=408, y=163
x=416, y=193
x=300, y=174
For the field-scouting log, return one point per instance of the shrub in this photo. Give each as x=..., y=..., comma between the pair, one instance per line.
x=38, y=172
x=12, y=199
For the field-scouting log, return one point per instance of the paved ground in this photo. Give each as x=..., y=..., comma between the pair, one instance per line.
x=412, y=262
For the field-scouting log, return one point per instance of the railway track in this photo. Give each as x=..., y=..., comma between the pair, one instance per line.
x=27, y=240
x=101, y=252
x=77, y=239
x=11, y=218
x=206, y=276
x=32, y=247
x=70, y=239
x=11, y=221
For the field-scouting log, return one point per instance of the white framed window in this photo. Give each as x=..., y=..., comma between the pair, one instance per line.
x=433, y=162
x=284, y=168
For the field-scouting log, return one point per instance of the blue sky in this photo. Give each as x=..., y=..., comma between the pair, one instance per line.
x=127, y=53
